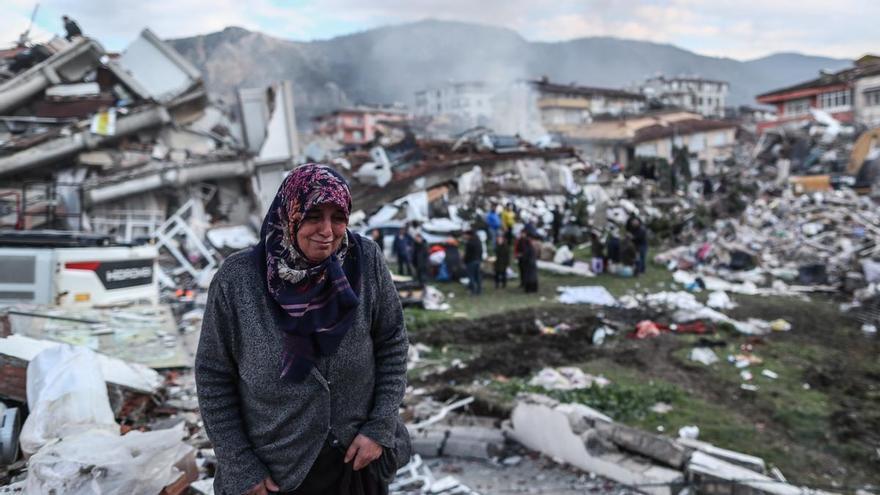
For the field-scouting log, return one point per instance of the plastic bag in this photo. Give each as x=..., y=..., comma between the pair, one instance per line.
x=66, y=395
x=98, y=462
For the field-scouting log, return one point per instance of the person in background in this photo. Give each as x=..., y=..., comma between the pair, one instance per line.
x=556, y=225
x=493, y=223
x=612, y=248
x=597, y=258
x=628, y=257
x=529, y=259
x=72, y=28
x=640, y=238
x=420, y=258
x=473, y=257
x=502, y=261
x=403, y=244
x=453, y=260
x=379, y=239
x=508, y=217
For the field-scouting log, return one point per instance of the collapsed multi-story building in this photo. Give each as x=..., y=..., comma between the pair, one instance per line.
x=114, y=143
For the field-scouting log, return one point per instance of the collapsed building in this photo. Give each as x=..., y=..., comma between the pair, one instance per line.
x=114, y=143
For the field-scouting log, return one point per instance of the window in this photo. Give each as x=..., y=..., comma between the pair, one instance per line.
x=796, y=107
x=646, y=149
x=720, y=138
x=834, y=99
x=872, y=97
x=697, y=142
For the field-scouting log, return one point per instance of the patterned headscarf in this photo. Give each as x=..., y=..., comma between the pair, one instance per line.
x=318, y=301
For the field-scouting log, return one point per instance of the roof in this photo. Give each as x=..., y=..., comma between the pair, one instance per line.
x=827, y=79
x=624, y=129
x=689, y=79
x=549, y=87
x=680, y=128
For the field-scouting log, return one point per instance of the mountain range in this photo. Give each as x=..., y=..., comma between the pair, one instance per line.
x=389, y=64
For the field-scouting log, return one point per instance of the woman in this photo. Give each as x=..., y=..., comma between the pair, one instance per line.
x=502, y=261
x=528, y=255
x=301, y=365
x=420, y=258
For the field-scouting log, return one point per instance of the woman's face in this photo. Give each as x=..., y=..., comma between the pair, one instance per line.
x=321, y=231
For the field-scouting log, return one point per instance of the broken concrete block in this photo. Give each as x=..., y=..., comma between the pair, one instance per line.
x=722, y=478
x=539, y=424
x=428, y=443
x=659, y=448
x=751, y=462
x=473, y=441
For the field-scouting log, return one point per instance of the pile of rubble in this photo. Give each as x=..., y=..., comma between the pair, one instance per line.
x=649, y=463
x=786, y=245
x=114, y=143
x=821, y=154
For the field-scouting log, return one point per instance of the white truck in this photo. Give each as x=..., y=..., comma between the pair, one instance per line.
x=73, y=269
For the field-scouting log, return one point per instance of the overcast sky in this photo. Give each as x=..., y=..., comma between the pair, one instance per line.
x=741, y=29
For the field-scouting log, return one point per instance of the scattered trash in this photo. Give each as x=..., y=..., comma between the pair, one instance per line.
x=720, y=300
x=780, y=325
x=554, y=330
x=703, y=355
x=601, y=333
x=647, y=329
x=690, y=432
x=770, y=374
x=566, y=378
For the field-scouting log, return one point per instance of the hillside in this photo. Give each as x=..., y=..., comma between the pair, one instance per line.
x=390, y=63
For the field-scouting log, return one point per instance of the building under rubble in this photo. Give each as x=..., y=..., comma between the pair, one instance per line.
x=113, y=143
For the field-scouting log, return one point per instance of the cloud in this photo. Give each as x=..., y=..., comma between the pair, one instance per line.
x=117, y=23
x=734, y=28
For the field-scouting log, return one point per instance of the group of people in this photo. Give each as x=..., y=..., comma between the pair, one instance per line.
x=619, y=253
x=410, y=249
x=524, y=249
x=624, y=255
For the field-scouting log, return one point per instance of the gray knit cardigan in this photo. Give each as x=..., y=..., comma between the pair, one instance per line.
x=261, y=425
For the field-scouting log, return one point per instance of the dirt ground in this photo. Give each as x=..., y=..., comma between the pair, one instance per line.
x=819, y=422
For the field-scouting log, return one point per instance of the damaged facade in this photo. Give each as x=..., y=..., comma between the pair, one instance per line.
x=849, y=95
x=705, y=96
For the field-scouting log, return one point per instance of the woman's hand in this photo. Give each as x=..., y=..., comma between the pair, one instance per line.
x=363, y=451
x=264, y=487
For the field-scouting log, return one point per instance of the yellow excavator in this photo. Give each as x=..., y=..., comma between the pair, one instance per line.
x=861, y=172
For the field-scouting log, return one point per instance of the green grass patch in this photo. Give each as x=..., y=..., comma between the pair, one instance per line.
x=497, y=301
x=618, y=401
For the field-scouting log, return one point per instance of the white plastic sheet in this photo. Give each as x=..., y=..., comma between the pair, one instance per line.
x=66, y=395
x=704, y=355
x=97, y=462
x=720, y=300
x=566, y=378
x=563, y=255
x=591, y=294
